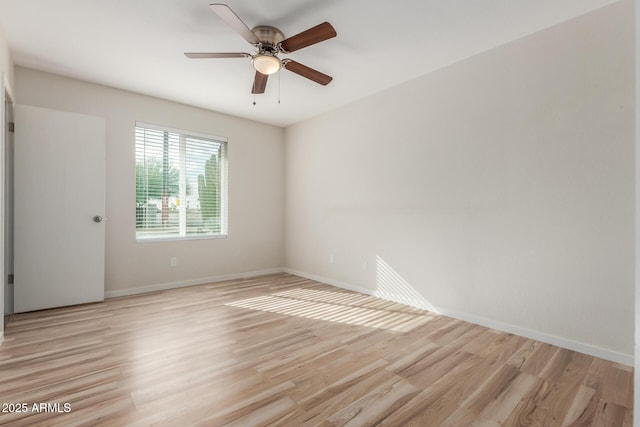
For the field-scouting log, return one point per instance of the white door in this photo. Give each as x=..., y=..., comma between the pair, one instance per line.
x=59, y=189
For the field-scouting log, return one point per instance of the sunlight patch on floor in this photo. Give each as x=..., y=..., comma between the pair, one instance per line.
x=342, y=307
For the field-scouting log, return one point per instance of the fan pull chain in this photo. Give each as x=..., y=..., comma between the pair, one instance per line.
x=279, y=87
x=254, y=99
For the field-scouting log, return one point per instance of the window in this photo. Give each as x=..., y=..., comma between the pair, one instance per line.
x=181, y=184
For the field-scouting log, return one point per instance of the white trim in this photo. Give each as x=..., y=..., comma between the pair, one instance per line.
x=153, y=239
x=467, y=317
x=603, y=353
x=182, y=132
x=191, y=282
x=591, y=350
x=3, y=198
x=636, y=381
x=328, y=281
x=7, y=88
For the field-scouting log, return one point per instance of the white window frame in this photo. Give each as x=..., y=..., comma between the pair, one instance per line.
x=183, y=136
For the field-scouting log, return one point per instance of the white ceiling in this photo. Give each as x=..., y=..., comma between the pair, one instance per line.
x=138, y=45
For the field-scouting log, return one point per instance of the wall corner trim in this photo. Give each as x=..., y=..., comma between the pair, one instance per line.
x=193, y=282
x=591, y=350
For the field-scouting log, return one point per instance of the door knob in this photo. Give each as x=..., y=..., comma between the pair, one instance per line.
x=97, y=218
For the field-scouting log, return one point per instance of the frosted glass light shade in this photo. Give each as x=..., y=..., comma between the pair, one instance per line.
x=266, y=64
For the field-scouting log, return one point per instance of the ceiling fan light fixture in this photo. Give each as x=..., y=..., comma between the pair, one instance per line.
x=266, y=64
x=268, y=43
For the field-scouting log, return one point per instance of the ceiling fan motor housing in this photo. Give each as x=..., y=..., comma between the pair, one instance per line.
x=269, y=38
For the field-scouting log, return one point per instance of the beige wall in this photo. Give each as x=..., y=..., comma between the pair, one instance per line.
x=256, y=185
x=499, y=189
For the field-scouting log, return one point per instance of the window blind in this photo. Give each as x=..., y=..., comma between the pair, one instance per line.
x=181, y=184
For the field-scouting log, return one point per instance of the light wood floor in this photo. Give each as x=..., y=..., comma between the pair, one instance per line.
x=282, y=350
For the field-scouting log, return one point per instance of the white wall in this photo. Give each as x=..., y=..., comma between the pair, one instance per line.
x=256, y=185
x=499, y=189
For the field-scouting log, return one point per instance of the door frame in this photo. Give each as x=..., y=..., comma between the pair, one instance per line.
x=6, y=97
x=7, y=205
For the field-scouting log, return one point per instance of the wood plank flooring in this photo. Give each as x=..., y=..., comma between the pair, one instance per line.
x=285, y=351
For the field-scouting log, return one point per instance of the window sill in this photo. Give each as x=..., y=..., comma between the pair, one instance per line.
x=178, y=238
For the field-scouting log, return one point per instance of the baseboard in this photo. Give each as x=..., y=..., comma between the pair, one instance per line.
x=569, y=344
x=589, y=349
x=328, y=281
x=191, y=282
x=467, y=317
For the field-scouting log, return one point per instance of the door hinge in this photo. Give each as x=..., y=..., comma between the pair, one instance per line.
x=12, y=127
x=10, y=279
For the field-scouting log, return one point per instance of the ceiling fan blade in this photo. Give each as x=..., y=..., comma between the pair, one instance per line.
x=306, y=38
x=309, y=73
x=259, y=83
x=232, y=20
x=200, y=55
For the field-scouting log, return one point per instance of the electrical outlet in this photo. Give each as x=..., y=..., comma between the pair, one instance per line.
x=365, y=266
x=174, y=261
x=332, y=259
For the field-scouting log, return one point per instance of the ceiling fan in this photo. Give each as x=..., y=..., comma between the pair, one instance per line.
x=269, y=42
